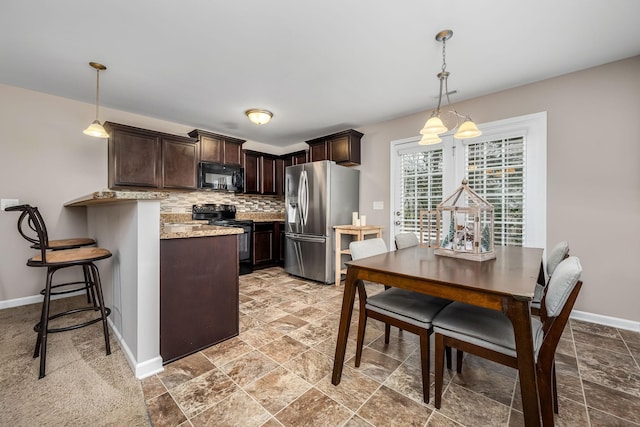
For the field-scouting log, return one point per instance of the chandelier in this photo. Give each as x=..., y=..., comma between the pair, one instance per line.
x=435, y=125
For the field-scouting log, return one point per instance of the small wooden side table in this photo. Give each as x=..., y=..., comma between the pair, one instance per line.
x=358, y=232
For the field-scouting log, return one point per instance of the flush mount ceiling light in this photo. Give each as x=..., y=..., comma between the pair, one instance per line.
x=259, y=117
x=435, y=125
x=95, y=128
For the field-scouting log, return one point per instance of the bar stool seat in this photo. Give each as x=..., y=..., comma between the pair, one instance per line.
x=61, y=244
x=54, y=260
x=69, y=257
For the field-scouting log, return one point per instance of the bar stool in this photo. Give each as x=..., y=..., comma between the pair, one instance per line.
x=55, y=260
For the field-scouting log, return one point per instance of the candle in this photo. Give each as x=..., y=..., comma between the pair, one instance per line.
x=354, y=218
x=363, y=220
x=357, y=224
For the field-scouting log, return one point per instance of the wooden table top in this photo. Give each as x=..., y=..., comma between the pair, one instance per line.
x=513, y=272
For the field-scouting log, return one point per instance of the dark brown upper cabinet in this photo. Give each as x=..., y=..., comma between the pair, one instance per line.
x=143, y=158
x=179, y=163
x=342, y=147
x=259, y=172
x=297, y=158
x=217, y=148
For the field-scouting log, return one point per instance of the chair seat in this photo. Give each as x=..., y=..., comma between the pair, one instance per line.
x=67, y=243
x=71, y=256
x=484, y=327
x=412, y=307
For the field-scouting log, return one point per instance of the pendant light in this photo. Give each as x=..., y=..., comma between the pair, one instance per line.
x=95, y=128
x=259, y=117
x=434, y=125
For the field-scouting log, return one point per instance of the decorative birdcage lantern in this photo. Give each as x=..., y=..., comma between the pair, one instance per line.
x=468, y=219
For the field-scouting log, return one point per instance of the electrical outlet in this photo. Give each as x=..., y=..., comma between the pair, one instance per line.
x=5, y=203
x=378, y=206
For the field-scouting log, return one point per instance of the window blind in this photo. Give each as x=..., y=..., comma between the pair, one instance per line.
x=495, y=170
x=420, y=188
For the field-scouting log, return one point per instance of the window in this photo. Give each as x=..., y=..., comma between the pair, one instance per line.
x=506, y=166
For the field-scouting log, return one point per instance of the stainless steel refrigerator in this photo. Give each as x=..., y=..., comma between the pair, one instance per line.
x=318, y=195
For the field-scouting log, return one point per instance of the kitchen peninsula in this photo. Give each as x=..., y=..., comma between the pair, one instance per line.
x=128, y=224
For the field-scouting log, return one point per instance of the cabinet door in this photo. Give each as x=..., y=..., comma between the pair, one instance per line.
x=279, y=244
x=280, y=165
x=268, y=166
x=179, y=164
x=134, y=158
x=339, y=149
x=263, y=244
x=232, y=153
x=299, y=158
x=318, y=151
x=211, y=149
x=251, y=172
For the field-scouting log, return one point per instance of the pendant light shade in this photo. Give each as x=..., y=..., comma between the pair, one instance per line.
x=467, y=129
x=259, y=117
x=429, y=139
x=435, y=126
x=95, y=128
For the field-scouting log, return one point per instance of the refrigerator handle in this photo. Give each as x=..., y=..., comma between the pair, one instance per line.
x=303, y=197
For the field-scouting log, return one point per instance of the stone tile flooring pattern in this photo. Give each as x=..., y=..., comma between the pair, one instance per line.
x=277, y=372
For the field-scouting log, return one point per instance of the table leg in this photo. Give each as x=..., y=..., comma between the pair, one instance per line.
x=348, y=299
x=518, y=312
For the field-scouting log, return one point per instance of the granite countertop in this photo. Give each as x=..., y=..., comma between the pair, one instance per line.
x=261, y=216
x=195, y=229
x=113, y=196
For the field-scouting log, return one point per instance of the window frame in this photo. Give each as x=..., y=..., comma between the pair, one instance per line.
x=534, y=129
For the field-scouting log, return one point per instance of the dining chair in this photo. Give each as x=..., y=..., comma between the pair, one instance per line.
x=53, y=261
x=489, y=333
x=406, y=240
x=407, y=310
x=557, y=254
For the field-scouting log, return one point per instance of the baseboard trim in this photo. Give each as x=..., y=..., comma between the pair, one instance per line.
x=600, y=319
x=34, y=299
x=140, y=369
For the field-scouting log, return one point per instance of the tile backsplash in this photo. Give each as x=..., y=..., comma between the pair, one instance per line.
x=179, y=202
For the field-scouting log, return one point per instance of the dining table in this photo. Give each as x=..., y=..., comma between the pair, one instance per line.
x=506, y=283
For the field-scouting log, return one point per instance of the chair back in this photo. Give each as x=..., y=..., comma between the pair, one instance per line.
x=565, y=277
x=558, y=301
x=557, y=254
x=31, y=226
x=406, y=240
x=366, y=248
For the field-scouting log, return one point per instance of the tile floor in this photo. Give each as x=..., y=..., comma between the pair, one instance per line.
x=277, y=372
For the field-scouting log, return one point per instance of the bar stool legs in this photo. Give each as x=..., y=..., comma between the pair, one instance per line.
x=94, y=288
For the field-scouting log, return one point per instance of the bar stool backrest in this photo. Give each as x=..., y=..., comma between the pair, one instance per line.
x=31, y=226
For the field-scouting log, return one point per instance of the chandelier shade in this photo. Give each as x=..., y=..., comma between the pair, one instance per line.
x=435, y=125
x=429, y=139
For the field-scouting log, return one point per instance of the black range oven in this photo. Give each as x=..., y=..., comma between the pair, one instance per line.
x=225, y=216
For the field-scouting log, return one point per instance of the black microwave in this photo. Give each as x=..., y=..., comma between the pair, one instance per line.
x=216, y=176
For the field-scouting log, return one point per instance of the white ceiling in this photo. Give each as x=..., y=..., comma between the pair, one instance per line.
x=321, y=66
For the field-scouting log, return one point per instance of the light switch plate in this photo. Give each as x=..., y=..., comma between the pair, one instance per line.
x=5, y=203
x=378, y=206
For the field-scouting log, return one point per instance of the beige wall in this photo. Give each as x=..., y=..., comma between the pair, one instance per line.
x=593, y=172
x=593, y=194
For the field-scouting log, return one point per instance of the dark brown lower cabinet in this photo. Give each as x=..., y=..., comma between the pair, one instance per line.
x=263, y=254
x=198, y=294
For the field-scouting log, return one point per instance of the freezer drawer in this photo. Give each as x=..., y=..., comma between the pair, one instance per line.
x=309, y=257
